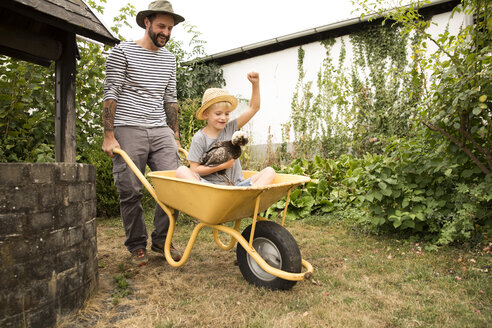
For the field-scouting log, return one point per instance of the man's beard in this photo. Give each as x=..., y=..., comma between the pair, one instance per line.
x=154, y=37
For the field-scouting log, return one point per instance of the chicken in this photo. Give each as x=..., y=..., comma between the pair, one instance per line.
x=223, y=151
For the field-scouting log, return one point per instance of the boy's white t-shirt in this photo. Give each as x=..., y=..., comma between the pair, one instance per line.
x=201, y=143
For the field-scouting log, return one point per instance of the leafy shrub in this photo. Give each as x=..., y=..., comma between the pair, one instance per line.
x=108, y=203
x=26, y=111
x=335, y=185
x=417, y=187
x=188, y=124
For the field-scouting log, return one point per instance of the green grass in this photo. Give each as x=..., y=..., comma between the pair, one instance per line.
x=360, y=280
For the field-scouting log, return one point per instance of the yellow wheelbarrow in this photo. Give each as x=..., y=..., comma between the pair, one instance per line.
x=267, y=254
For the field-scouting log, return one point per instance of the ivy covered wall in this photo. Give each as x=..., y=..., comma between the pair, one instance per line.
x=330, y=72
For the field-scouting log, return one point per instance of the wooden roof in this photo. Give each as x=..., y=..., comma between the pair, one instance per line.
x=69, y=15
x=43, y=32
x=34, y=30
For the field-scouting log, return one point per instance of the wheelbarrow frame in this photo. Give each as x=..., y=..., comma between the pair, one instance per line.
x=236, y=236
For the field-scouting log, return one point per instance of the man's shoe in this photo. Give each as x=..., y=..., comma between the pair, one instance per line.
x=139, y=257
x=159, y=248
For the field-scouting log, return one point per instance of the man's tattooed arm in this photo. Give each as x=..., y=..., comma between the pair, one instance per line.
x=109, y=111
x=171, y=110
x=109, y=142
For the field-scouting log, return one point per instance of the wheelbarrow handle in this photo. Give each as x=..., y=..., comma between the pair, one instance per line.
x=185, y=153
x=135, y=170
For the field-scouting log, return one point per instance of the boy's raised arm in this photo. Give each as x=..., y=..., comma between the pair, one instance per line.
x=254, y=103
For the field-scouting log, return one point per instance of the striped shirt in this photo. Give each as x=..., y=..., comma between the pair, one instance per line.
x=140, y=81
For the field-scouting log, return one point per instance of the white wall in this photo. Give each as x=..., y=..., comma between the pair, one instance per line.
x=278, y=78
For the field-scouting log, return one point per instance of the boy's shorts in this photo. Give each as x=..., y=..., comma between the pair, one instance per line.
x=244, y=183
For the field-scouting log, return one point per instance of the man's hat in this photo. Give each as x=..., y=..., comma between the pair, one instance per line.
x=158, y=7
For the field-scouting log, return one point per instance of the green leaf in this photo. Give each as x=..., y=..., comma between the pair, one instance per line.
x=405, y=203
x=369, y=197
x=420, y=216
x=386, y=192
x=391, y=181
x=377, y=220
x=378, y=195
x=477, y=110
x=407, y=224
x=327, y=206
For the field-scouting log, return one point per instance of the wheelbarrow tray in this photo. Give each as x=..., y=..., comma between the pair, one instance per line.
x=216, y=204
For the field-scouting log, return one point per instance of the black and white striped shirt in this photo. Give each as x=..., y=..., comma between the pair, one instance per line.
x=141, y=81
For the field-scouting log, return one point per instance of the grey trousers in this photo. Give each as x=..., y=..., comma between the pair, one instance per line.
x=156, y=148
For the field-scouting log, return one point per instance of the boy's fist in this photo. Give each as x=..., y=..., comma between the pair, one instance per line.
x=254, y=77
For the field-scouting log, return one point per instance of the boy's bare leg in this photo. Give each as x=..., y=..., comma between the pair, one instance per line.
x=264, y=177
x=184, y=172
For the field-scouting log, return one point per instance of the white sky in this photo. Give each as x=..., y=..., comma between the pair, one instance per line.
x=229, y=24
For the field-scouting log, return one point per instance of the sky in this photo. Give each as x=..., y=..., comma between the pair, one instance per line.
x=229, y=24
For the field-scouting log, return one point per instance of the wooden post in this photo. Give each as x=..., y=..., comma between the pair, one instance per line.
x=65, y=110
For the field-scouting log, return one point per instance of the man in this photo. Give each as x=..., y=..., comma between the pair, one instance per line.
x=140, y=116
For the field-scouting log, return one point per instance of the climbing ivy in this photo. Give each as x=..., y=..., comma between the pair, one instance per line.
x=304, y=115
x=358, y=104
x=379, y=109
x=456, y=100
x=333, y=103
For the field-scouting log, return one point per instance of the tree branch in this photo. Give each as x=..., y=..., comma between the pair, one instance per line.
x=462, y=146
x=481, y=149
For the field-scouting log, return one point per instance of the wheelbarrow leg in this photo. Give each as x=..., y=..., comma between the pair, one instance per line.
x=232, y=242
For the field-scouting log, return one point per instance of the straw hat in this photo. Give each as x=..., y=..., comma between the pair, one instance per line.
x=158, y=7
x=213, y=96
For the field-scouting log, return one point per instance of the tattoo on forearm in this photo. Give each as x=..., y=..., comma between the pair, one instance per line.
x=171, y=110
x=109, y=110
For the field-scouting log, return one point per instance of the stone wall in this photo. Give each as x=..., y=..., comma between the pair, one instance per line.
x=48, y=249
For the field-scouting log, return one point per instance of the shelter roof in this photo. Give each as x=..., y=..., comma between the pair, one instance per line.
x=70, y=15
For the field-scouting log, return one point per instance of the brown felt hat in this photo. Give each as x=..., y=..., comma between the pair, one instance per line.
x=158, y=7
x=212, y=96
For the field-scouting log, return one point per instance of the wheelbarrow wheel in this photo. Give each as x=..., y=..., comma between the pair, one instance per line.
x=277, y=247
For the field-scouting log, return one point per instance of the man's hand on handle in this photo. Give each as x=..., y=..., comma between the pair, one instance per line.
x=109, y=144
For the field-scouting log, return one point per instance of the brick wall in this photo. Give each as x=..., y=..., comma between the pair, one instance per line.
x=48, y=248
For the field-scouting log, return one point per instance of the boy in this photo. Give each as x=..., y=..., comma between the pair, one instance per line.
x=217, y=104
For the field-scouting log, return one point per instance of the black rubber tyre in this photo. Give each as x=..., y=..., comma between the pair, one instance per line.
x=277, y=247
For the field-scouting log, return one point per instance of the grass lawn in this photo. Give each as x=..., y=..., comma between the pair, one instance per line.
x=359, y=280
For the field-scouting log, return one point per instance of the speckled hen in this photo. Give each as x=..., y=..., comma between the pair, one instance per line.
x=223, y=151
